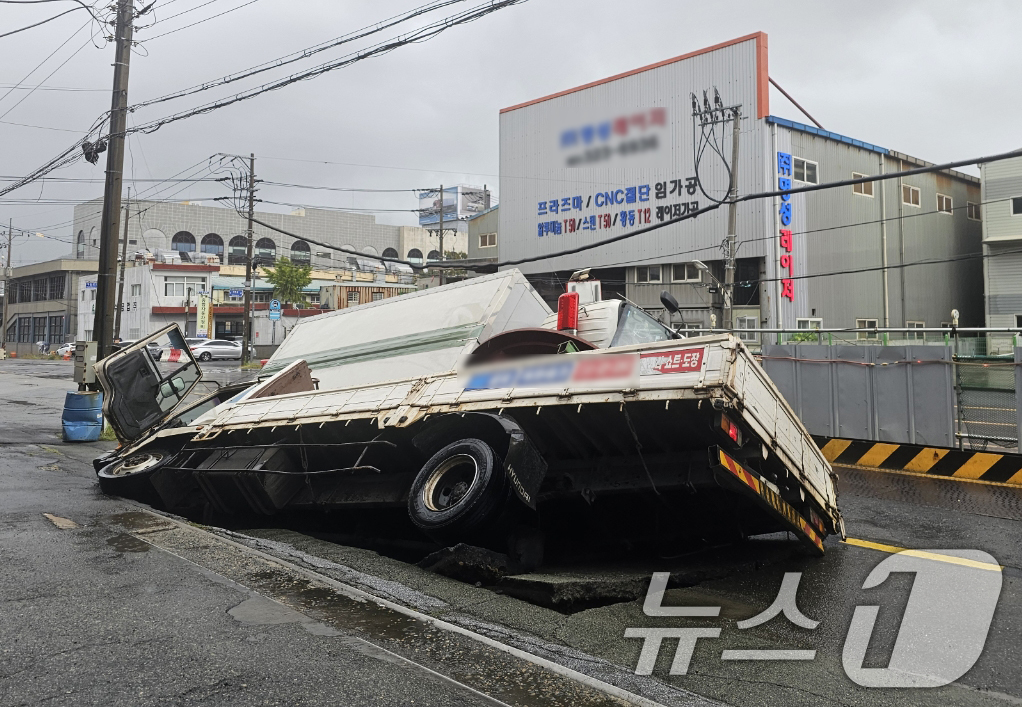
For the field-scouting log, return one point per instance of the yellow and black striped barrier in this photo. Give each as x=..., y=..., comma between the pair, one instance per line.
x=930, y=461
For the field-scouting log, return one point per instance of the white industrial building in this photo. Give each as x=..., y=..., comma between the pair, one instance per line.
x=619, y=154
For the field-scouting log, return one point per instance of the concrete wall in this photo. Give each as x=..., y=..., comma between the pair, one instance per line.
x=484, y=223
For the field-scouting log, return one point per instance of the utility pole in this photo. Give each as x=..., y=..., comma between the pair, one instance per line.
x=441, y=232
x=103, y=323
x=120, y=270
x=246, y=336
x=7, y=285
x=732, y=221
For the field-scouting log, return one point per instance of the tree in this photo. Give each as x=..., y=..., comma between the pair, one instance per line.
x=288, y=280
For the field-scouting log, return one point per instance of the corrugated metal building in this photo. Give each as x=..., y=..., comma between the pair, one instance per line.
x=1002, y=243
x=618, y=154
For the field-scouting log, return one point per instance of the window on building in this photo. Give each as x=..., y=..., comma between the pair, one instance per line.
x=865, y=189
x=377, y=296
x=88, y=334
x=915, y=335
x=214, y=244
x=647, y=273
x=747, y=323
x=179, y=286
x=1016, y=206
x=352, y=298
x=56, y=334
x=25, y=291
x=973, y=211
x=92, y=294
x=136, y=290
x=237, y=250
x=57, y=286
x=265, y=252
x=866, y=324
x=83, y=295
x=809, y=323
x=415, y=254
x=909, y=195
x=389, y=253
x=301, y=253
x=1018, y=321
x=944, y=204
x=39, y=332
x=433, y=255
x=685, y=272
x=805, y=171
x=80, y=245
x=262, y=296
x=24, y=330
x=40, y=289
x=183, y=241
x=487, y=240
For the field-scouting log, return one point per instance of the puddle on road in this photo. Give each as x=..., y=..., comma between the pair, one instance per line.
x=138, y=520
x=122, y=542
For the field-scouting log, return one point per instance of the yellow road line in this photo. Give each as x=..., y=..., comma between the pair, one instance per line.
x=936, y=556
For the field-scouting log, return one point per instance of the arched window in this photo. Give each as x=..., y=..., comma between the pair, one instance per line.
x=415, y=254
x=265, y=252
x=300, y=253
x=433, y=255
x=93, y=237
x=212, y=243
x=237, y=250
x=369, y=250
x=183, y=241
x=389, y=253
x=80, y=245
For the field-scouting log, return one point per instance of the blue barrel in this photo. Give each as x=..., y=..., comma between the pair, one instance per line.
x=82, y=419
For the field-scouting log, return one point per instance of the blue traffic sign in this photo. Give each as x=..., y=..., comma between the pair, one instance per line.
x=235, y=293
x=274, y=315
x=274, y=305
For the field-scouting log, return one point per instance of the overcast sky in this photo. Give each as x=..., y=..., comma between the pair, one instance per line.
x=936, y=80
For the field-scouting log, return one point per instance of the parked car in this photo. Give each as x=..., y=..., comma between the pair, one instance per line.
x=66, y=349
x=209, y=349
x=154, y=348
x=478, y=411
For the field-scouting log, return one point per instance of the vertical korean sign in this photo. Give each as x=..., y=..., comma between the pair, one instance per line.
x=203, y=316
x=787, y=283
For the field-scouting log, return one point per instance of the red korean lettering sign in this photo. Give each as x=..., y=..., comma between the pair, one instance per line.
x=675, y=361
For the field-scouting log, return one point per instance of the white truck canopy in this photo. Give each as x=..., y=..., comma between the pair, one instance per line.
x=412, y=335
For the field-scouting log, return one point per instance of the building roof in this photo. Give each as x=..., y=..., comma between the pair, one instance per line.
x=227, y=282
x=57, y=265
x=762, y=74
x=802, y=127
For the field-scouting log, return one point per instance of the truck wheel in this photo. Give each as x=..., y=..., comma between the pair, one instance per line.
x=458, y=492
x=129, y=477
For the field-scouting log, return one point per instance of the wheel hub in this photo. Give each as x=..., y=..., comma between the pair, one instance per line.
x=137, y=463
x=450, y=482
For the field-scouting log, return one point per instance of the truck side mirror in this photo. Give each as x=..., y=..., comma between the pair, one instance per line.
x=668, y=301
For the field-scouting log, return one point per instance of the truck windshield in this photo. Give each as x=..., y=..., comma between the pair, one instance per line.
x=637, y=327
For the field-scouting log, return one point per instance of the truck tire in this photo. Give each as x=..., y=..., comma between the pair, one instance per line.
x=459, y=492
x=130, y=477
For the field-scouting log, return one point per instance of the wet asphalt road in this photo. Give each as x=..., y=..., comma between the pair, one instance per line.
x=125, y=609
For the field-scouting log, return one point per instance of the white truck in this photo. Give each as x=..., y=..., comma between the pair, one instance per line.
x=478, y=410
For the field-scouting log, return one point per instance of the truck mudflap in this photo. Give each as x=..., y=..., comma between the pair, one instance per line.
x=733, y=475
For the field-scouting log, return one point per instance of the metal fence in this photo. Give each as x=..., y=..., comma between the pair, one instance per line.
x=921, y=393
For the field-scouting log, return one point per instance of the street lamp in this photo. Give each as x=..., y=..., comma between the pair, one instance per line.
x=703, y=267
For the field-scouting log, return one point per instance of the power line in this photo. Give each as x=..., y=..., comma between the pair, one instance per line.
x=48, y=57
x=303, y=54
x=207, y=19
x=50, y=19
x=762, y=195
x=74, y=153
x=343, y=189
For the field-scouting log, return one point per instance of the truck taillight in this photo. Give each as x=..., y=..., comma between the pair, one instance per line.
x=728, y=427
x=567, y=312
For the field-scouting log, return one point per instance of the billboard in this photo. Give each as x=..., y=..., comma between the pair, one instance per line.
x=203, y=317
x=460, y=202
x=620, y=154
